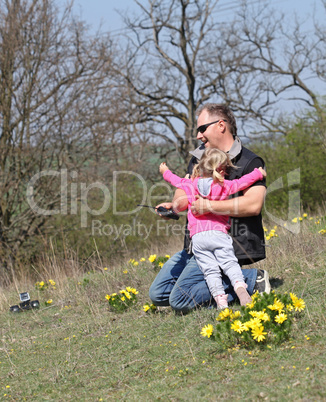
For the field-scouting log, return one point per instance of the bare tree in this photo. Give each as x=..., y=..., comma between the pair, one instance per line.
x=50, y=69
x=162, y=68
x=282, y=67
x=183, y=53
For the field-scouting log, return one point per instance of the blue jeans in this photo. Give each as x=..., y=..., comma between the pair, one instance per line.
x=181, y=284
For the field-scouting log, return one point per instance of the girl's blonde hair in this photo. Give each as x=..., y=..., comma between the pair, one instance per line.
x=212, y=163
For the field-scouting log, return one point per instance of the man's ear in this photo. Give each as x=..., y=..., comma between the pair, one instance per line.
x=223, y=125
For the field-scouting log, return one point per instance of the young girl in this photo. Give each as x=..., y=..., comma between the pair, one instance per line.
x=211, y=244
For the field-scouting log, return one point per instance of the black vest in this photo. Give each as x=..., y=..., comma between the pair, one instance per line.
x=247, y=233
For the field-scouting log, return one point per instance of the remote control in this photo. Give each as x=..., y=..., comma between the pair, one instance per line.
x=167, y=213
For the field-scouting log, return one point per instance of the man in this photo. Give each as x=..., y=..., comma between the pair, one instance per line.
x=180, y=283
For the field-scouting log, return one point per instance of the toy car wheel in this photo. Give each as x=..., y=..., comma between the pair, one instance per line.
x=15, y=309
x=35, y=304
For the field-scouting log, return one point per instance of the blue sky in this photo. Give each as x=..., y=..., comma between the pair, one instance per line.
x=95, y=12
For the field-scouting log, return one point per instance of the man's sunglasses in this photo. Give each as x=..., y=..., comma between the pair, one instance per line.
x=203, y=128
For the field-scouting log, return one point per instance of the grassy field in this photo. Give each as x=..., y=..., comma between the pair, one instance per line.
x=76, y=348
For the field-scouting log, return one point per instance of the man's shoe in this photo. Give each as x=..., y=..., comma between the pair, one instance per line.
x=262, y=282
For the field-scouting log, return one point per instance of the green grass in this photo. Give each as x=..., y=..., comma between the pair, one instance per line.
x=78, y=349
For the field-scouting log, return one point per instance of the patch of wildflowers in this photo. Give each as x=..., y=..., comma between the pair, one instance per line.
x=158, y=262
x=123, y=300
x=266, y=321
x=150, y=308
x=43, y=285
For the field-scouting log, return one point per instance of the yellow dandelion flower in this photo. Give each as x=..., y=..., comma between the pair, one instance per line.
x=237, y=326
x=128, y=295
x=108, y=297
x=105, y=269
x=253, y=313
x=167, y=256
x=135, y=263
x=295, y=220
x=49, y=301
x=152, y=258
x=160, y=264
x=264, y=316
x=261, y=315
x=253, y=323
x=132, y=290
x=281, y=318
x=142, y=259
x=293, y=297
x=258, y=333
x=207, y=330
x=41, y=284
x=255, y=295
x=289, y=307
x=235, y=314
x=278, y=305
x=304, y=215
x=51, y=282
x=322, y=231
x=123, y=298
x=125, y=271
x=146, y=307
x=299, y=305
x=224, y=314
x=252, y=304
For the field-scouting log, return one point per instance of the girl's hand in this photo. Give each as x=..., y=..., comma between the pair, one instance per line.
x=163, y=167
x=262, y=171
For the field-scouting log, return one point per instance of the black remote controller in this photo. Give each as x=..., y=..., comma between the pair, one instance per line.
x=167, y=213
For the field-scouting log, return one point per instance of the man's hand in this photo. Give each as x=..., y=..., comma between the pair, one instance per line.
x=249, y=204
x=167, y=205
x=201, y=206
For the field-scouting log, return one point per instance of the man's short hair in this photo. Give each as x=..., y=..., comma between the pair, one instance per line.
x=220, y=111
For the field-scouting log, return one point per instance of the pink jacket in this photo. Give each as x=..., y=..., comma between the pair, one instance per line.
x=217, y=191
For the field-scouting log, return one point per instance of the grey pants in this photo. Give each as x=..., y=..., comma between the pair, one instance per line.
x=214, y=252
